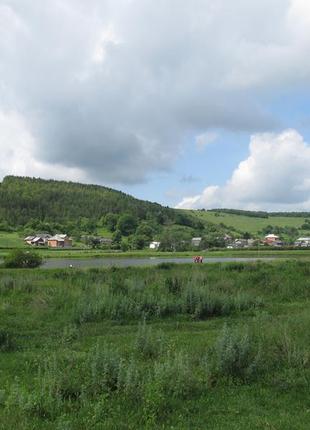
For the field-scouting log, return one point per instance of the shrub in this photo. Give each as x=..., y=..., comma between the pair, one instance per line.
x=148, y=344
x=235, y=356
x=173, y=377
x=7, y=342
x=19, y=259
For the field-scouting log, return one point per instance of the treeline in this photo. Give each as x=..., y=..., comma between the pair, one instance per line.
x=260, y=214
x=254, y=214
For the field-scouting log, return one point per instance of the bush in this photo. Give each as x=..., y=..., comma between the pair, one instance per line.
x=19, y=259
x=235, y=356
x=7, y=342
x=148, y=344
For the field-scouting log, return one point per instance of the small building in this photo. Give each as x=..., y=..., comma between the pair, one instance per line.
x=60, y=241
x=272, y=239
x=29, y=239
x=196, y=241
x=240, y=243
x=107, y=241
x=302, y=242
x=38, y=240
x=154, y=245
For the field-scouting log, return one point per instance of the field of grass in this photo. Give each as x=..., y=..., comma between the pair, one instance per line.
x=247, y=223
x=11, y=240
x=169, y=347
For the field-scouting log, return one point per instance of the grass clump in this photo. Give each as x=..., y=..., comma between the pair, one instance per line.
x=235, y=355
x=148, y=344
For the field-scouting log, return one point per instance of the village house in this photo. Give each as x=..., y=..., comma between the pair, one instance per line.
x=154, y=245
x=37, y=240
x=240, y=243
x=272, y=240
x=302, y=242
x=60, y=241
x=196, y=241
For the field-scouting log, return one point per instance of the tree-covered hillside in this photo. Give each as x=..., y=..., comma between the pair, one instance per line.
x=24, y=199
x=86, y=212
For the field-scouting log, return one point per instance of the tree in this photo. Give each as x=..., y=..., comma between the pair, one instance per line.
x=116, y=238
x=139, y=241
x=110, y=221
x=144, y=229
x=20, y=259
x=127, y=224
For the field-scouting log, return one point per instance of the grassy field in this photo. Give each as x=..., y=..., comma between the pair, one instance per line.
x=250, y=224
x=11, y=240
x=170, y=347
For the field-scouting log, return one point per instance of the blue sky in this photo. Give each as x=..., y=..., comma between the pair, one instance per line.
x=192, y=104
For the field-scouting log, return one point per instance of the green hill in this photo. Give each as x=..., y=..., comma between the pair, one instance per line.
x=29, y=205
x=23, y=199
x=253, y=222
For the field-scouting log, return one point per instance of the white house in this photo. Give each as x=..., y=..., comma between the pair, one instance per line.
x=196, y=241
x=302, y=242
x=154, y=245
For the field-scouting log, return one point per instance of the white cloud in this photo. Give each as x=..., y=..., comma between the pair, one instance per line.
x=203, y=140
x=275, y=176
x=114, y=88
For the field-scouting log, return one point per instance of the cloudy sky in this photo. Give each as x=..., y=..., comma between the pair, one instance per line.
x=190, y=103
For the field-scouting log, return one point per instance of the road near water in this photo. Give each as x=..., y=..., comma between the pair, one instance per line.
x=84, y=263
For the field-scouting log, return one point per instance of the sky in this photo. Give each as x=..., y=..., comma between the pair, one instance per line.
x=201, y=104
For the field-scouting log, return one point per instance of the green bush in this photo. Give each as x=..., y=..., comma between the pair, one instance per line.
x=7, y=342
x=148, y=344
x=235, y=355
x=19, y=259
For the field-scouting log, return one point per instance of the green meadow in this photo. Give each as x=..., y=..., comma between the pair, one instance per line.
x=250, y=224
x=221, y=346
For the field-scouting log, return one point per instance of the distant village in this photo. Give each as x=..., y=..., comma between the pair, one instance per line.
x=64, y=241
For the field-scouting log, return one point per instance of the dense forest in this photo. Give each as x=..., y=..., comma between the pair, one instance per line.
x=24, y=199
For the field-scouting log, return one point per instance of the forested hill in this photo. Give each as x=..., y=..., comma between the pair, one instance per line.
x=23, y=199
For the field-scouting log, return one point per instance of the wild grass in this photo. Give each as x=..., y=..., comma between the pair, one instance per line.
x=179, y=347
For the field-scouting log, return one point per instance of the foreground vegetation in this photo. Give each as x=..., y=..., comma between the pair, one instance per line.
x=178, y=347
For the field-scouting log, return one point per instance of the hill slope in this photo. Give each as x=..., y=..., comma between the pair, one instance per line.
x=23, y=199
x=35, y=205
x=254, y=223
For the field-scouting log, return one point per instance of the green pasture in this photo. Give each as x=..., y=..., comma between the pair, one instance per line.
x=247, y=223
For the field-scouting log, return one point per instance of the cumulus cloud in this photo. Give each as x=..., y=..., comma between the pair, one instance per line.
x=114, y=88
x=275, y=176
x=17, y=147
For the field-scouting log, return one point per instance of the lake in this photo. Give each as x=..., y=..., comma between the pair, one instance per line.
x=62, y=263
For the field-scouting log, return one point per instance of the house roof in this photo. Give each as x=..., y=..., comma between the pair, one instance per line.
x=303, y=239
x=59, y=237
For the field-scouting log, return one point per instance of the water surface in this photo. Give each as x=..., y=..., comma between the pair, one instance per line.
x=62, y=263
